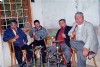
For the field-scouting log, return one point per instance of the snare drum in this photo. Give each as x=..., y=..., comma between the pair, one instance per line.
x=49, y=40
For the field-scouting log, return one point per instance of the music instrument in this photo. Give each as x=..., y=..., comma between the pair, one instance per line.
x=74, y=36
x=38, y=51
x=49, y=40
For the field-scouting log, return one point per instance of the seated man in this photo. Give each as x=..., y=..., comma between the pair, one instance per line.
x=39, y=33
x=62, y=34
x=84, y=39
x=20, y=43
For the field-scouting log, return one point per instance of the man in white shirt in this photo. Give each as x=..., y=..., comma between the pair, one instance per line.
x=85, y=39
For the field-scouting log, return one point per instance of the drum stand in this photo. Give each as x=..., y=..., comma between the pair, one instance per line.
x=34, y=60
x=48, y=57
x=58, y=54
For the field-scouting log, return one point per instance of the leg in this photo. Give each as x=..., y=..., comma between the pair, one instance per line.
x=29, y=54
x=81, y=59
x=52, y=51
x=78, y=45
x=67, y=52
x=18, y=54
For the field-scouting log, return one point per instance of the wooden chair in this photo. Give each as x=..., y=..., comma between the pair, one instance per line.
x=74, y=54
x=74, y=61
x=48, y=41
x=12, y=52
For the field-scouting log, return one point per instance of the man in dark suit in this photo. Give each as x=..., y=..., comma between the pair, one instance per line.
x=62, y=35
x=20, y=41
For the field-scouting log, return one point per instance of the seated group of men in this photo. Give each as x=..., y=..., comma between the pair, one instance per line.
x=83, y=33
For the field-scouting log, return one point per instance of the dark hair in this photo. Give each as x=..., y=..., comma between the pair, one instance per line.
x=13, y=21
x=36, y=21
x=62, y=20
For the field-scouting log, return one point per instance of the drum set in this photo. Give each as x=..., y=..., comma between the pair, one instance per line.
x=57, y=54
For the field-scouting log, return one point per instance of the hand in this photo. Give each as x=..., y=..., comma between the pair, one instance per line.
x=16, y=37
x=34, y=33
x=25, y=43
x=38, y=39
x=85, y=52
x=73, y=33
x=53, y=44
x=63, y=35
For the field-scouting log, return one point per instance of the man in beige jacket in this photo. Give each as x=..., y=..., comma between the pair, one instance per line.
x=85, y=39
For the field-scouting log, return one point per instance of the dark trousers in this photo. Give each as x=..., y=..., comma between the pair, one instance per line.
x=18, y=53
x=42, y=43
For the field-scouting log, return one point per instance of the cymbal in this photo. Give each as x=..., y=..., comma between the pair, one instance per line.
x=57, y=41
x=38, y=47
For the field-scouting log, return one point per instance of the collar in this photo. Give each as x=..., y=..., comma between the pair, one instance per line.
x=38, y=29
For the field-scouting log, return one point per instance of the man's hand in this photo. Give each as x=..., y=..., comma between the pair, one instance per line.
x=63, y=35
x=25, y=43
x=85, y=52
x=34, y=33
x=16, y=37
x=53, y=44
x=73, y=33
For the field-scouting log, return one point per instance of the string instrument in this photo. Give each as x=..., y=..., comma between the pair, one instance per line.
x=74, y=36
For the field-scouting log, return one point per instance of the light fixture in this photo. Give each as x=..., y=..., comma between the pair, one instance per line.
x=1, y=0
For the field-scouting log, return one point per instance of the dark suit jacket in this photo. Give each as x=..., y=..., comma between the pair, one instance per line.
x=8, y=34
x=67, y=39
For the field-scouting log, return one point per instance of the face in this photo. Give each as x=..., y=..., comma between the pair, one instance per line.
x=13, y=25
x=37, y=25
x=79, y=19
x=62, y=24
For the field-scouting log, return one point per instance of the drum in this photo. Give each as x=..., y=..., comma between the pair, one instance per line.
x=38, y=51
x=49, y=40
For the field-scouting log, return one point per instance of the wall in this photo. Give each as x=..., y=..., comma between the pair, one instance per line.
x=50, y=11
x=1, y=53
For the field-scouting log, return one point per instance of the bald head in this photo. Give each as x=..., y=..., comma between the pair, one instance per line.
x=79, y=18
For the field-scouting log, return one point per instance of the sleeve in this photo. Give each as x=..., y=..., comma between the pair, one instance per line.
x=90, y=36
x=31, y=32
x=72, y=29
x=45, y=33
x=7, y=36
x=24, y=36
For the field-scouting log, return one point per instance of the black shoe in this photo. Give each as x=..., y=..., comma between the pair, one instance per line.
x=23, y=64
x=69, y=64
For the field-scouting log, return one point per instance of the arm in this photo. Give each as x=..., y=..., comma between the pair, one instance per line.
x=31, y=32
x=24, y=36
x=90, y=36
x=7, y=35
x=45, y=33
x=72, y=29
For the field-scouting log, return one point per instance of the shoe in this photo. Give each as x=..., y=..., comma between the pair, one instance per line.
x=23, y=64
x=69, y=64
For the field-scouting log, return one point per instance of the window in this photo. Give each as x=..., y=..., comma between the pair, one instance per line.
x=17, y=9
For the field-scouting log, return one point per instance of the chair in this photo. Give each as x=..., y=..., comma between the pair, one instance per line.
x=73, y=57
x=12, y=52
x=48, y=41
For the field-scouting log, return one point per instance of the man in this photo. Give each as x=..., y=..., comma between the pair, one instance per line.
x=20, y=40
x=39, y=33
x=85, y=39
x=62, y=34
